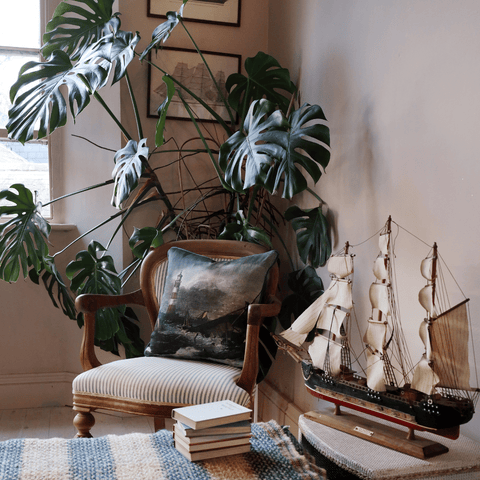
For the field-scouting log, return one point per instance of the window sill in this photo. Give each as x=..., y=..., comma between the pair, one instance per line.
x=63, y=227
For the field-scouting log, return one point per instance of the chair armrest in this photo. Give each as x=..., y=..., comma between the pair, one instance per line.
x=88, y=304
x=256, y=313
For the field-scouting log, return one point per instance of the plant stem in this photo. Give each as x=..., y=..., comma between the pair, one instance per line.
x=135, y=106
x=92, y=187
x=272, y=226
x=214, y=162
x=252, y=202
x=113, y=217
x=230, y=114
x=115, y=119
x=309, y=190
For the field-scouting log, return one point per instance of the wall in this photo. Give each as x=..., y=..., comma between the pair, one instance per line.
x=246, y=40
x=399, y=84
x=40, y=346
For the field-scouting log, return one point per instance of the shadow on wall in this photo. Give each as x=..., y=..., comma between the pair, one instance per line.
x=355, y=158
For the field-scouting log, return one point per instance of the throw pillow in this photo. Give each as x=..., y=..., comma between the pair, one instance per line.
x=203, y=312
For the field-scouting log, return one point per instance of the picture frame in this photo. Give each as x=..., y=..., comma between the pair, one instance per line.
x=186, y=65
x=217, y=12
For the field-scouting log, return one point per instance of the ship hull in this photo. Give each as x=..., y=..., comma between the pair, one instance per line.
x=397, y=404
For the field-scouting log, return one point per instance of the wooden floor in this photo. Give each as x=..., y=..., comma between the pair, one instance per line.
x=51, y=422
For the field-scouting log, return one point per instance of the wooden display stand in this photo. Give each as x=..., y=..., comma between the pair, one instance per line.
x=384, y=435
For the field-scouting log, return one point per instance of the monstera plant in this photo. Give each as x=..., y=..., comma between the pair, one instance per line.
x=269, y=146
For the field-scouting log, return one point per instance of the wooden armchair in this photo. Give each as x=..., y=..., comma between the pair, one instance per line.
x=153, y=386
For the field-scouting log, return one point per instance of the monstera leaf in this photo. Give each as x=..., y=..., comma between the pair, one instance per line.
x=163, y=31
x=246, y=149
x=265, y=77
x=242, y=231
x=43, y=101
x=163, y=110
x=270, y=148
x=313, y=241
x=143, y=239
x=129, y=335
x=93, y=272
x=118, y=49
x=73, y=28
x=53, y=282
x=129, y=166
x=304, y=144
x=23, y=238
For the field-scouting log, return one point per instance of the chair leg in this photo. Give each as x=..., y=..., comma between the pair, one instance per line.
x=158, y=423
x=83, y=422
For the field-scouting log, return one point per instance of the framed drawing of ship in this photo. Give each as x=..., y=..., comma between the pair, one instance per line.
x=219, y=12
x=187, y=67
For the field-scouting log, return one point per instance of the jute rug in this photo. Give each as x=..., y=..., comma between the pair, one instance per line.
x=275, y=455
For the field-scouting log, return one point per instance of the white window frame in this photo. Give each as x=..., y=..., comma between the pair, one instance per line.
x=45, y=7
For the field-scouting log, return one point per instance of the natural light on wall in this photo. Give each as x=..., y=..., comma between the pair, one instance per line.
x=20, y=43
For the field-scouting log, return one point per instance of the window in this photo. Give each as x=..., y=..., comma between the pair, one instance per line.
x=20, y=41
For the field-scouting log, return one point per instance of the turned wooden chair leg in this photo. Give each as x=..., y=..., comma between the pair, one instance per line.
x=83, y=422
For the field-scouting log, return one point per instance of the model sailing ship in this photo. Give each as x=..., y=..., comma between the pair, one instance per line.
x=436, y=397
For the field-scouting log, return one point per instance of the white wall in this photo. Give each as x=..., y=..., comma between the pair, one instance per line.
x=39, y=353
x=399, y=83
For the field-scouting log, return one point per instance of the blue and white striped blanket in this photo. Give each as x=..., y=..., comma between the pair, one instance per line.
x=274, y=455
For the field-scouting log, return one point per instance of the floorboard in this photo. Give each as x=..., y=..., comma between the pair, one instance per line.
x=54, y=422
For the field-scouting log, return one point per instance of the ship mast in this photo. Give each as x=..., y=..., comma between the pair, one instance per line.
x=444, y=363
x=379, y=368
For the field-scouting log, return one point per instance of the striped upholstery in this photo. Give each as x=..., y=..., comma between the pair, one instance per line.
x=160, y=380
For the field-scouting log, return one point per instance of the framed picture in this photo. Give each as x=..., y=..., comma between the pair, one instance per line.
x=219, y=12
x=187, y=67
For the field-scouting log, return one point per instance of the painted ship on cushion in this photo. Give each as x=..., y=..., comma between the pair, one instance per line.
x=434, y=394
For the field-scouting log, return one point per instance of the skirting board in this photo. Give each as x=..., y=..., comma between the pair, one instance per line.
x=33, y=390
x=275, y=405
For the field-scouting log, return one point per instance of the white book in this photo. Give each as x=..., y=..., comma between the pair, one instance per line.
x=201, y=447
x=211, y=414
x=207, y=439
x=231, y=428
x=206, y=454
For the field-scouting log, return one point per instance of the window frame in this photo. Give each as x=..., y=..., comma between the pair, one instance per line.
x=43, y=9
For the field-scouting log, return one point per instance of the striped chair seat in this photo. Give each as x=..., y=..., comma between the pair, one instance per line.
x=159, y=380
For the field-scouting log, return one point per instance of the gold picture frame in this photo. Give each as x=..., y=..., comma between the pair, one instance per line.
x=217, y=12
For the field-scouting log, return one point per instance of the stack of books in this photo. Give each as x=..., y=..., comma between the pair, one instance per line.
x=212, y=430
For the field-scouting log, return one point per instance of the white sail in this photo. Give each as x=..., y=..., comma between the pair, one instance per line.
x=323, y=349
x=425, y=297
x=340, y=265
x=424, y=378
x=374, y=338
x=449, y=338
x=308, y=319
x=375, y=335
x=424, y=335
x=294, y=337
x=379, y=297
x=384, y=243
x=340, y=294
x=375, y=372
x=331, y=319
x=426, y=268
x=380, y=269
x=445, y=362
